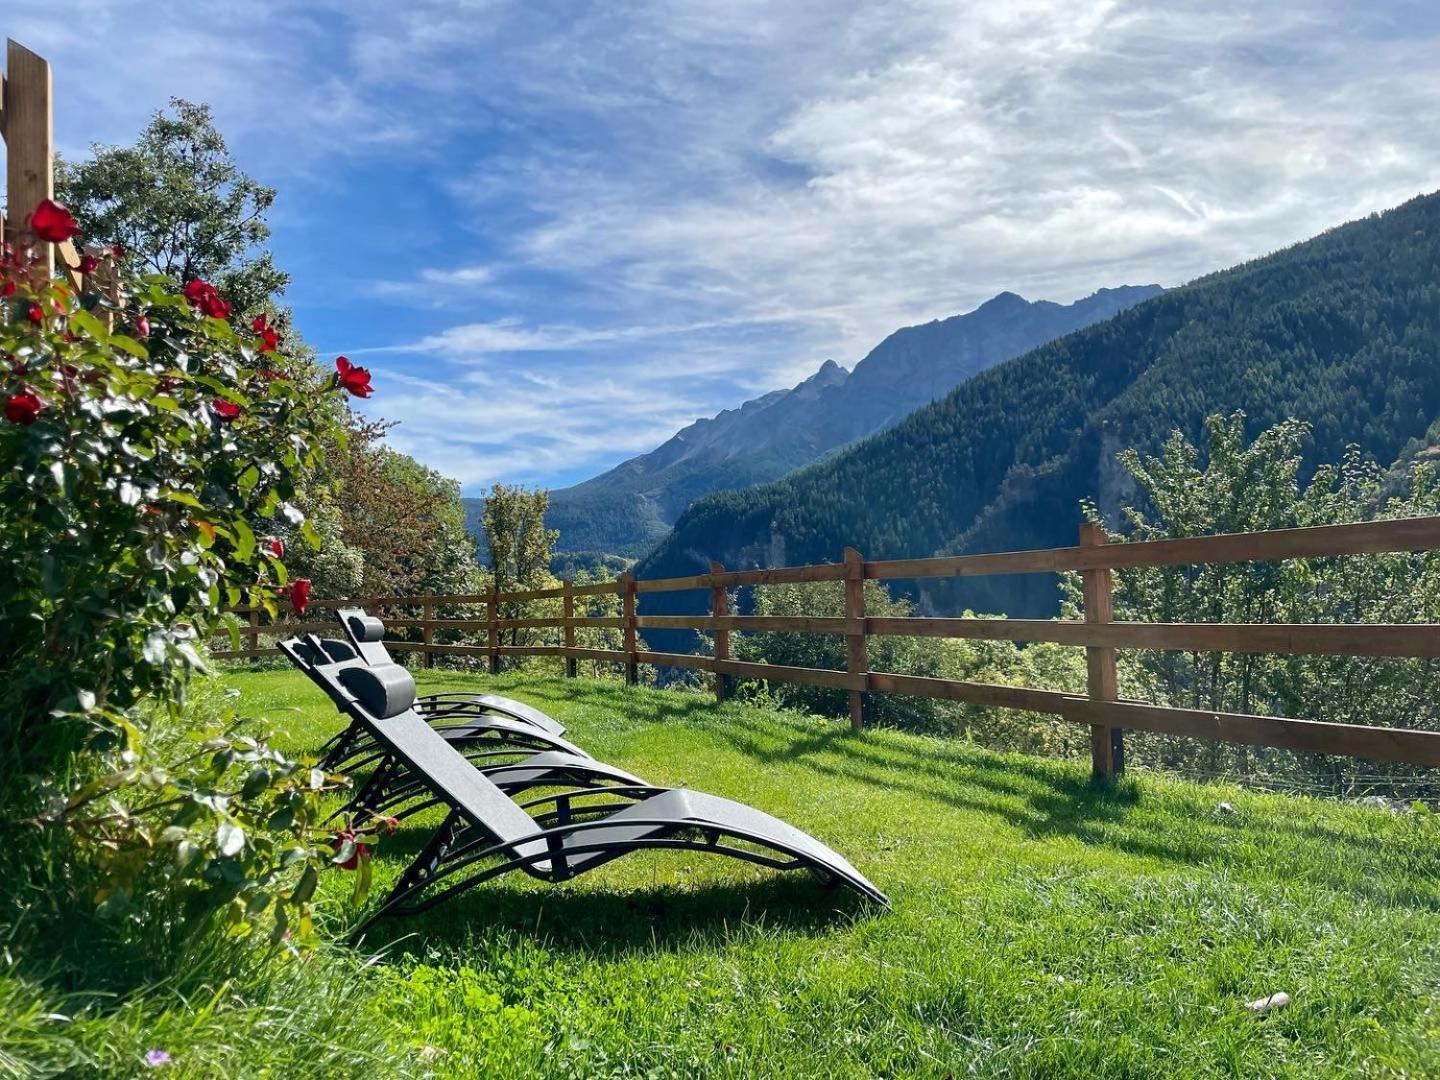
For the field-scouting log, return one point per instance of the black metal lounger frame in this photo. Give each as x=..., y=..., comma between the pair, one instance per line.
x=453, y=849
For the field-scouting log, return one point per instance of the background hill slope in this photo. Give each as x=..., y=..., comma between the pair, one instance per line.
x=630, y=508
x=1342, y=330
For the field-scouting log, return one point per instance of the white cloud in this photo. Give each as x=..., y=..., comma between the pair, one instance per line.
x=671, y=191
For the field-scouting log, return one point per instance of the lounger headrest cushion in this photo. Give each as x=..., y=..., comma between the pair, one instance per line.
x=367, y=628
x=337, y=650
x=384, y=690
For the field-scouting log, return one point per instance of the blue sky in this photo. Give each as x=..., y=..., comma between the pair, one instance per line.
x=558, y=231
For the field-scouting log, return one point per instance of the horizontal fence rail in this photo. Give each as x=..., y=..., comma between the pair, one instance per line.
x=1095, y=558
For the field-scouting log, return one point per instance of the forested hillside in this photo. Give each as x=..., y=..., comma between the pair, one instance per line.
x=1342, y=331
x=629, y=509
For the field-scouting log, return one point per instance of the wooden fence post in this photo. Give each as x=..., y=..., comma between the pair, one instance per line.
x=567, y=599
x=29, y=144
x=627, y=594
x=253, y=634
x=719, y=607
x=492, y=616
x=427, y=632
x=1107, y=744
x=858, y=653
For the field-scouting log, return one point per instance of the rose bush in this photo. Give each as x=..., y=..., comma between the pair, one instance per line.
x=141, y=440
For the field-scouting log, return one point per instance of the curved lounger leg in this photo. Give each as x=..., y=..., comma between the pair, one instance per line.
x=563, y=851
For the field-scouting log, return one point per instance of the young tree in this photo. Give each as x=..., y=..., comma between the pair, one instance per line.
x=520, y=544
x=180, y=205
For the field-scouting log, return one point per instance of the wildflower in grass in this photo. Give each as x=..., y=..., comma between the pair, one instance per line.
x=53, y=223
x=227, y=411
x=354, y=379
x=156, y=1059
x=298, y=593
x=23, y=408
x=346, y=838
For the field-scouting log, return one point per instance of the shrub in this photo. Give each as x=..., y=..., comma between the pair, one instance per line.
x=143, y=436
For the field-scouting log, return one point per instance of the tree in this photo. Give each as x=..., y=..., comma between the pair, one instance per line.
x=179, y=205
x=520, y=545
x=1235, y=485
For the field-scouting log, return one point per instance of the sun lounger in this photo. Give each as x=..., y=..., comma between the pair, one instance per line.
x=487, y=834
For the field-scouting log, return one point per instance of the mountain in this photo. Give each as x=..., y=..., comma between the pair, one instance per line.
x=632, y=507
x=1342, y=331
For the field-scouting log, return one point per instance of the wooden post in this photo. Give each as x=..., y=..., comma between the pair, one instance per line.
x=1107, y=744
x=29, y=145
x=427, y=632
x=253, y=634
x=719, y=607
x=858, y=654
x=493, y=617
x=627, y=599
x=568, y=610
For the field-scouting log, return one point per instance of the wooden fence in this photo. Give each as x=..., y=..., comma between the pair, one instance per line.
x=27, y=128
x=1094, y=558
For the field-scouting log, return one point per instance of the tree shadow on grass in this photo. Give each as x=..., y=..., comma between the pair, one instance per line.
x=1048, y=800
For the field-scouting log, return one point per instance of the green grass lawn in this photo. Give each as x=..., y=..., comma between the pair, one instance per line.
x=1040, y=927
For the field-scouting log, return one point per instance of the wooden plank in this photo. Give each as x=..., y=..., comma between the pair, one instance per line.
x=974, y=693
x=627, y=598
x=839, y=680
x=243, y=654
x=1107, y=744
x=427, y=631
x=780, y=575
x=752, y=624
x=1286, y=639
x=29, y=144
x=1357, y=538
x=438, y=649
x=492, y=618
x=857, y=652
x=681, y=660
x=531, y=650
x=1351, y=740
x=567, y=611
x=613, y=656
x=719, y=610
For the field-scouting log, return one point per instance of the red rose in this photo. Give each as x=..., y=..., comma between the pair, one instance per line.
x=269, y=340
x=117, y=250
x=274, y=546
x=207, y=298
x=8, y=289
x=23, y=408
x=298, y=592
x=226, y=410
x=362, y=851
x=52, y=222
x=88, y=264
x=354, y=379
x=35, y=313
x=142, y=326
x=260, y=322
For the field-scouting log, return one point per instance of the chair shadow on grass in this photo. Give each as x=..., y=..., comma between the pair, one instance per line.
x=624, y=918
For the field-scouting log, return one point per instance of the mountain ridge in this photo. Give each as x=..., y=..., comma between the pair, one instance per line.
x=630, y=507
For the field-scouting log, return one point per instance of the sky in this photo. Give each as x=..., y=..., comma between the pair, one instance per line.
x=558, y=231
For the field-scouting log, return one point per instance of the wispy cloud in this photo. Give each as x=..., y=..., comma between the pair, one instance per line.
x=626, y=215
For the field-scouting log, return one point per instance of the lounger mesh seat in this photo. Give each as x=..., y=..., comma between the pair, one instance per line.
x=366, y=634
x=487, y=834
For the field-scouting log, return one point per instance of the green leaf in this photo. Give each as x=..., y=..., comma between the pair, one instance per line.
x=229, y=839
